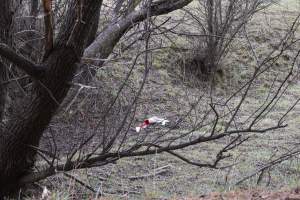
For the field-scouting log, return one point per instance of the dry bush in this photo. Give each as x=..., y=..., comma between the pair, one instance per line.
x=218, y=23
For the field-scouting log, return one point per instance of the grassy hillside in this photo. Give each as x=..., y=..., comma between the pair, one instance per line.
x=162, y=176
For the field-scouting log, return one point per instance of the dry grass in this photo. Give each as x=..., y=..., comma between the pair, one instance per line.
x=181, y=180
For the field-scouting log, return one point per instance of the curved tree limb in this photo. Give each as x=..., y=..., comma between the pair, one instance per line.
x=105, y=42
x=106, y=158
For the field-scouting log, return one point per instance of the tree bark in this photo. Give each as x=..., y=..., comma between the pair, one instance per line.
x=3, y=89
x=103, y=45
x=105, y=42
x=23, y=132
x=5, y=36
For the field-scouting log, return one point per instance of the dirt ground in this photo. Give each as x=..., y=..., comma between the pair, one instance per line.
x=255, y=195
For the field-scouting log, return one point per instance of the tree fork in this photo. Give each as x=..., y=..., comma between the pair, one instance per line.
x=23, y=132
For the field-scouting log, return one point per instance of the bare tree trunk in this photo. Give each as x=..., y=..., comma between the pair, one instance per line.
x=52, y=80
x=5, y=37
x=3, y=89
x=209, y=64
x=23, y=132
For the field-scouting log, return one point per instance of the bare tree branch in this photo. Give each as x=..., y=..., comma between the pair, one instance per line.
x=35, y=71
x=105, y=42
x=48, y=21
